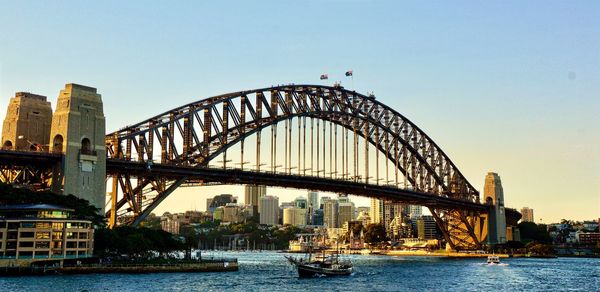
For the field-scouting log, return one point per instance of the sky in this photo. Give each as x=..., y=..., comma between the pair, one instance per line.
x=506, y=86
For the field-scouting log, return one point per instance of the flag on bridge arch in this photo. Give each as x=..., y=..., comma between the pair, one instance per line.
x=324, y=77
x=348, y=73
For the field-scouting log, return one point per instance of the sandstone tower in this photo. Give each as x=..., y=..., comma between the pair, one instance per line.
x=78, y=130
x=27, y=123
x=494, y=196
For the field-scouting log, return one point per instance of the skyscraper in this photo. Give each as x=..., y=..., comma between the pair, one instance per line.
x=414, y=211
x=252, y=194
x=391, y=210
x=330, y=214
x=301, y=203
x=345, y=212
x=269, y=214
x=313, y=200
x=294, y=216
x=527, y=214
x=376, y=211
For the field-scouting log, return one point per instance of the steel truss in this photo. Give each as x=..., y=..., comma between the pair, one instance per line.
x=196, y=134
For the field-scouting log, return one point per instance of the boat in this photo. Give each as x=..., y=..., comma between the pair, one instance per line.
x=493, y=259
x=321, y=265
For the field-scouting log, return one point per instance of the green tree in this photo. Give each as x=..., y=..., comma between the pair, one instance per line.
x=534, y=232
x=375, y=233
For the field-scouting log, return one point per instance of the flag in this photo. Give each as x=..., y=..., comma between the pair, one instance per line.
x=324, y=77
x=348, y=73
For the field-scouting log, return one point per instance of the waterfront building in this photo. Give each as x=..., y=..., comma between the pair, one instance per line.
x=41, y=231
x=345, y=212
x=426, y=228
x=252, y=194
x=527, y=214
x=587, y=238
x=269, y=214
x=400, y=227
x=294, y=216
x=330, y=213
x=376, y=211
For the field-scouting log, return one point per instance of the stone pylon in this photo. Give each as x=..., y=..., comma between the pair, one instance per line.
x=494, y=197
x=78, y=130
x=27, y=123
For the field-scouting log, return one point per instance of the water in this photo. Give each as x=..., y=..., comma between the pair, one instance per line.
x=269, y=271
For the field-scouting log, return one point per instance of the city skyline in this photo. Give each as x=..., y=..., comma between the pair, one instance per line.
x=501, y=96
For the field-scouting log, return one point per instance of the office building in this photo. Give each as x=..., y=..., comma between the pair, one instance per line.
x=330, y=213
x=269, y=213
x=294, y=216
x=391, y=210
x=426, y=228
x=345, y=212
x=376, y=211
x=301, y=203
x=252, y=194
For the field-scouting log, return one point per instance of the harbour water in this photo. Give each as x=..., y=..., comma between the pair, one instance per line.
x=269, y=271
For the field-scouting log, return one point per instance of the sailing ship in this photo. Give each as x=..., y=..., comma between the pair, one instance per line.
x=323, y=264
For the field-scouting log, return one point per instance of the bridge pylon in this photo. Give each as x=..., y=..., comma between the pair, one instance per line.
x=78, y=131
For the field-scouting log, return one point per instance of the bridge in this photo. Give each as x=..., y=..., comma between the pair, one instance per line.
x=298, y=136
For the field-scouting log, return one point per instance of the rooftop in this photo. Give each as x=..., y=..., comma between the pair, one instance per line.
x=29, y=207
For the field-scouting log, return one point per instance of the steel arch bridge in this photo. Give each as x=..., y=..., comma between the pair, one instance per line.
x=355, y=144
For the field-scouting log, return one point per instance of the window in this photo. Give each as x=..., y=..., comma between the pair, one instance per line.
x=25, y=254
x=26, y=244
x=42, y=244
x=83, y=235
x=43, y=225
x=58, y=225
x=27, y=225
x=13, y=225
x=26, y=235
x=71, y=244
x=41, y=254
x=71, y=253
x=57, y=235
x=42, y=235
x=57, y=244
x=82, y=244
x=71, y=235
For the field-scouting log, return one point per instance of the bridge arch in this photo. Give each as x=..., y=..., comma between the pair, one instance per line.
x=196, y=133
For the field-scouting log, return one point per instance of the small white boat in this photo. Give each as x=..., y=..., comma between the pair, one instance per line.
x=493, y=259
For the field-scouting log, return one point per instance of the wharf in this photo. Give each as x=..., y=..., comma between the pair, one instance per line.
x=224, y=265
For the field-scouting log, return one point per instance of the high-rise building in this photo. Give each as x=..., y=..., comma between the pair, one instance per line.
x=391, y=210
x=232, y=213
x=322, y=201
x=330, y=214
x=313, y=200
x=208, y=203
x=317, y=217
x=252, y=194
x=301, y=203
x=221, y=201
x=527, y=214
x=269, y=214
x=376, y=211
x=426, y=228
x=345, y=212
x=494, y=195
x=414, y=211
x=343, y=198
x=294, y=216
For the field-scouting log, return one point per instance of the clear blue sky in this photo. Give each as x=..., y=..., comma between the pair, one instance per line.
x=510, y=87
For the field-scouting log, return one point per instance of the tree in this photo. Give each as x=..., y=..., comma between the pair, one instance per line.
x=375, y=233
x=534, y=232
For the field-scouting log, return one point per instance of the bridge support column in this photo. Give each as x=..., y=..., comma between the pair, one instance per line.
x=78, y=130
x=494, y=197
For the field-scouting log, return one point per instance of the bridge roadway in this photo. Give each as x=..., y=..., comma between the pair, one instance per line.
x=237, y=176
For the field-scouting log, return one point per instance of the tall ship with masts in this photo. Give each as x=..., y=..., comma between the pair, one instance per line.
x=317, y=264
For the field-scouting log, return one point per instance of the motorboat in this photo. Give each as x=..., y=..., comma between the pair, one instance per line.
x=493, y=259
